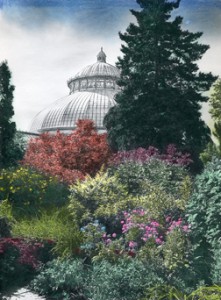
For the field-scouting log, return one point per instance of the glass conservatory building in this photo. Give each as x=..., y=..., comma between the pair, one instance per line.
x=92, y=92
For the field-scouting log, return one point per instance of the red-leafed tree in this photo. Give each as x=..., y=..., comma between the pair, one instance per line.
x=69, y=157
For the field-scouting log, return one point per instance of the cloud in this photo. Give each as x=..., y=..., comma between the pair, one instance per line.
x=45, y=46
x=44, y=58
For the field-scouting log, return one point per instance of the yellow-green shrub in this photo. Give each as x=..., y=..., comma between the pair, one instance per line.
x=104, y=196
x=99, y=196
x=28, y=190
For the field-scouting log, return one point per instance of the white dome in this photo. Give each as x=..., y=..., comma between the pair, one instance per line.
x=98, y=69
x=64, y=114
x=92, y=92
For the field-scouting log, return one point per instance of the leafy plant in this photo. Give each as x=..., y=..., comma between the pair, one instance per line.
x=100, y=197
x=216, y=266
x=203, y=213
x=55, y=226
x=69, y=157
x=142, y=155
x=66, y=279
x=171, y=178
x=125, y=280
x=30, y=191
x=19, y=260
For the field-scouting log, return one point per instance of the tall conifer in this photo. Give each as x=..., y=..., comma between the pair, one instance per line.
x=7, y=126
x=162, y=87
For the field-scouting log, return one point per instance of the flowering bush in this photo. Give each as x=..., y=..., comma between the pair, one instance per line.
x=141, y=155
x=139, y=179
x=69, y=157
x=140, y=236
x=104, y=196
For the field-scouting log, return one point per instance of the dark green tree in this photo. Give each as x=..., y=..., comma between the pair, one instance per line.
x=8, y=150
x=161, y=86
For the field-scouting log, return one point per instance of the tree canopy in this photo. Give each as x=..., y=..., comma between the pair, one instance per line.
x=161, y=85
x=69, y=157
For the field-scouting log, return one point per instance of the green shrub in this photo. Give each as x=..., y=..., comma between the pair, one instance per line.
x=207, y=293
x=216, y=267
x=209, y=153
x=168, y=176
x=203, y=213
x=55, y=226
x=164, y=292
x=62, y=280
x=167, y=292
x=104, y=196
x=125, y=280
x=29, y=191
x=175, y=249
x=101, y=196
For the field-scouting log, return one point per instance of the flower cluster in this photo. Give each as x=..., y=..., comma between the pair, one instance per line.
x=143, y=155
x=94, y=233
x=172, y=224
x=137, y=224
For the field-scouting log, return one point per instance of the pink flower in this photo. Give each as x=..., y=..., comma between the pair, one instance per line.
x=132, y=244
x=186, y=228
x=114, y=235
x=158, y=241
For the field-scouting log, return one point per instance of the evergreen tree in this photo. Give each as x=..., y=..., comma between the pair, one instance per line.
x=161, y=86
x=8, y=153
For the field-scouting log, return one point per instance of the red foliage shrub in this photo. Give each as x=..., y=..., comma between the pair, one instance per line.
x=27, y=250
x=172, y=156
x=69, y=157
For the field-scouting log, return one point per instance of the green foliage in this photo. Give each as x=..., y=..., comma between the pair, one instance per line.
x=207, y=293
x=169, y=177
x=124, y=280
x=211, y=151
x=156, y=186
x=61, y=280
x=215, y=101
x=103, y=280
x=5, y=228
x=30, y=191
x=216, y=267
x=55, y=226
x=10, y=152
x=101, y=196
x=166, y=292
x=203, y=214
x=13, y=274
x=161, y=87
x=175, y=249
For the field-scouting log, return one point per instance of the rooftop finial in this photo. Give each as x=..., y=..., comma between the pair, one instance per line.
x=101, y=57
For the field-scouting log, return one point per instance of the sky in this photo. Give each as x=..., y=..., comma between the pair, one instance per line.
x=46, y=42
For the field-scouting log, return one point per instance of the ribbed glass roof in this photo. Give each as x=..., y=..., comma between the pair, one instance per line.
x=92, y=92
